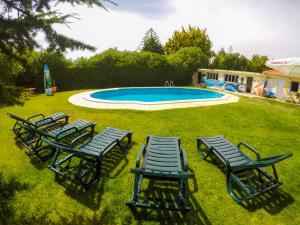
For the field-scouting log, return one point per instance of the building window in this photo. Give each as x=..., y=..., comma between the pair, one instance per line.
x=294, y=86
x=242, y=80
x=212, y=76
x=231, y=78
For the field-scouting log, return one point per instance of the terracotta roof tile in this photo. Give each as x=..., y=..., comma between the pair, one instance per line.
x=274, y=73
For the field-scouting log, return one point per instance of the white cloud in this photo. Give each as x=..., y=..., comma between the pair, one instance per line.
x=264, y=27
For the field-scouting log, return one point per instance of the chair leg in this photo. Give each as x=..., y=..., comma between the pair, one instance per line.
x=183, y=193
x=136, y=188
x=201, y=151
x=230, y=190
x=86, y=177
x=275, y=172
x=125, y=147
x=129, y=139
x=53, y=164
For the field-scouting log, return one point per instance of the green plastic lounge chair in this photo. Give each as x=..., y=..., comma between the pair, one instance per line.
x=242, y=171
x=35, y=122
x=163, y=160
x=88, y=155
x=60, y=133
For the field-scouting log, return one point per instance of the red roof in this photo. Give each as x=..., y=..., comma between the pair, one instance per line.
x=274, y=73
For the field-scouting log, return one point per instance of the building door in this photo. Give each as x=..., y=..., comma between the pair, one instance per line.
x=279, y=89
x=200, y=78
x=249, y=84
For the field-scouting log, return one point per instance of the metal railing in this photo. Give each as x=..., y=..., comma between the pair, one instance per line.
x=169, y=84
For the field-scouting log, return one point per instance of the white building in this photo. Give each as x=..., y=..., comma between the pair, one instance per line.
x=278, y=83
x=253, y=82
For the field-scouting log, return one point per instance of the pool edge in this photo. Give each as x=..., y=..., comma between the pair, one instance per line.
x=83, y=99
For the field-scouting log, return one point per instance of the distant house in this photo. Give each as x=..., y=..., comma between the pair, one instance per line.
x=280, y=83
x=249, y=82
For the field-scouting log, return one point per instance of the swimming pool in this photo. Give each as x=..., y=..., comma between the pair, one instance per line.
x=141, y=95
x=150, y=98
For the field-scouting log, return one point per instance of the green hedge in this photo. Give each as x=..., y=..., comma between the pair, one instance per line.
x=117, y=69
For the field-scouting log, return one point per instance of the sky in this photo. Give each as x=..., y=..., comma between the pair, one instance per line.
x=264, y=27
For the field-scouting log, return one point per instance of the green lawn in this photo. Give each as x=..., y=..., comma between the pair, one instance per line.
x=270, y=126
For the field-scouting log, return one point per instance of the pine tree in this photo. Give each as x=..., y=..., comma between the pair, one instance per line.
x=151, y=42
x=22, y=20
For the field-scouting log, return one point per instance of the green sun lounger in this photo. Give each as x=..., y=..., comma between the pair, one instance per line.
x=35, y=122
x=163, y=160
x=245, y=173
x=86, y=156
x=57, y=132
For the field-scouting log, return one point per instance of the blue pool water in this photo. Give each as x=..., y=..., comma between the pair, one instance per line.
x=155, y=94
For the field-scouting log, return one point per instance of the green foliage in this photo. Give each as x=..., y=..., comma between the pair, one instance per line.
x=33, y=77
x=236, y=61
x=9, y=94
x=192, y=37
x=188, y=59
x=21, y=21
x=9, y=69
x=151, y=42
x=257, y=63
x=230, y=61
x=114, y=68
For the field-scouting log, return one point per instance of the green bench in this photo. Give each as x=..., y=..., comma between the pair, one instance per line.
x=163, y=160
x=57, y=132
x=35, y=122
x=242, y=171
x=87, y=156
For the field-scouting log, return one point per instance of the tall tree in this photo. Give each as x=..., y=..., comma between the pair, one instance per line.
x=192, y=37
x=151, y=42
x=22, y=20
x=230, y=61
x=257, y=63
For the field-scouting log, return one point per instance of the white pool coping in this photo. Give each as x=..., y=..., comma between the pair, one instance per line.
x=85, y=100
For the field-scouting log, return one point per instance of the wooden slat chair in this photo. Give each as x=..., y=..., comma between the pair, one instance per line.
x=242, y=170
x=35, y=122
x=60, y=133
x=90, y=154
x=163, y=160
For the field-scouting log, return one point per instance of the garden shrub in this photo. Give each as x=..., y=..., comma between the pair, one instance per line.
x=114, y=68
x=9, y=94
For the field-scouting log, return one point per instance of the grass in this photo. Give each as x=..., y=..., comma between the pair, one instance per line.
x=270, y=126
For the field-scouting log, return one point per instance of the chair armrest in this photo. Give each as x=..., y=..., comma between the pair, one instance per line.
x=84, y=135
x=64, y=131
x=185, y=162
x=58, y=145
x=18, y=118
x=250, y=148
x=34, y=116
x=265, y=162
x=138, y=159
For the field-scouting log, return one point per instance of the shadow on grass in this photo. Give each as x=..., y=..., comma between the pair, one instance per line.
x=169, y=190
x=8, y=188
x=39, y=160
x=273, y=202
x=92, y=197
